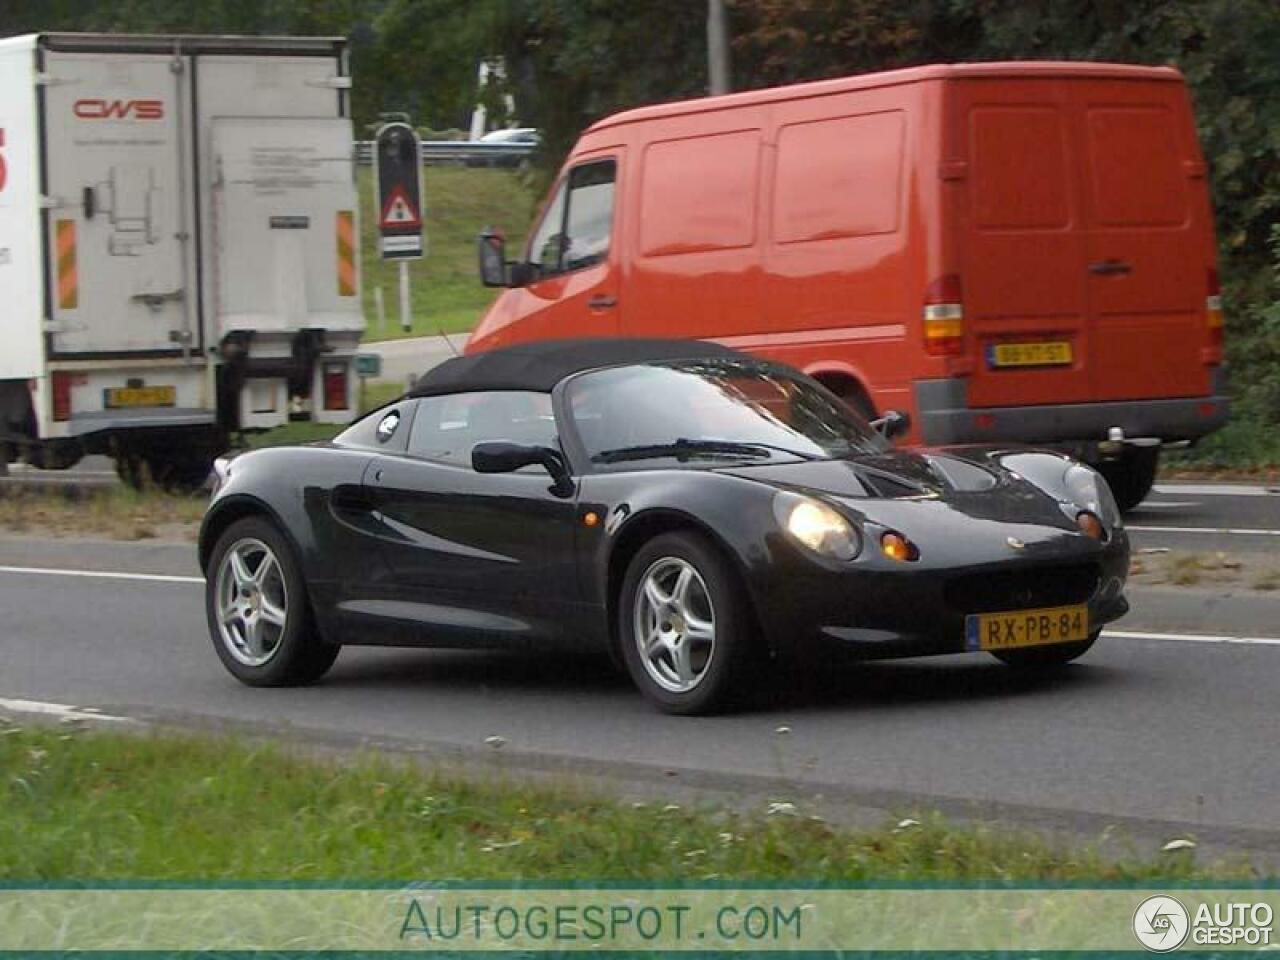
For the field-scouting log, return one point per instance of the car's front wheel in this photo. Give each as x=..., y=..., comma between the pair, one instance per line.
x=259, y=616
x=1049, y=655
x=685, y=629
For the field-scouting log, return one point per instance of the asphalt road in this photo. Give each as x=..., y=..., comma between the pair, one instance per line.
x=1166, y=729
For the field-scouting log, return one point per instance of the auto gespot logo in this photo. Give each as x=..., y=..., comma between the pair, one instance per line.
x=97, y=108
x=1162, y=924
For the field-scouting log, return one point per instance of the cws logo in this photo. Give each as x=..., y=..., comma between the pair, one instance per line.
x=96, y=108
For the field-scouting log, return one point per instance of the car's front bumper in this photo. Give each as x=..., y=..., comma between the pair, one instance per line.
x=884, y=611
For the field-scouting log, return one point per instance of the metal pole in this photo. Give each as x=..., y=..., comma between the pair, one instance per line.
x=717, y=48
x=406, y=321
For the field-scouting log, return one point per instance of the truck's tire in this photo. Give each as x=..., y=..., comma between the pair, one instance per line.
x=180, y=474
x=54, y=454
x=1131, y=477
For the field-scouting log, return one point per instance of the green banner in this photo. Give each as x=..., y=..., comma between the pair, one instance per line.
x=591, y=919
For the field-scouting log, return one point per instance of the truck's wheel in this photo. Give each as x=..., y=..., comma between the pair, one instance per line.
x=54, y=455
x=179, y=474
x=1131, y=477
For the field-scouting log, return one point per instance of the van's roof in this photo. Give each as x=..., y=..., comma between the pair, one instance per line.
x=865, y=81
x=169, y=42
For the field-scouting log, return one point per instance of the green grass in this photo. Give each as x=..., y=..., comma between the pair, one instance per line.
x=445, y=285
x=1244, y=444
x=87, y=806
x=118, y=513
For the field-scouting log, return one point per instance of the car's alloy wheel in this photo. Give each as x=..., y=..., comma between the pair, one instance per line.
x=259, y=613
x=674, y=625
x=252, y=602
x=685, y=626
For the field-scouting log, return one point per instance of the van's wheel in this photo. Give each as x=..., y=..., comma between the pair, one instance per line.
x=1131, y=477
x=853, y=396
x=687, y=634
x=1050, y=655
x=260, y=617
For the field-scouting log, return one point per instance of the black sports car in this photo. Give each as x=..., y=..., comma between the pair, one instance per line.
x=690, y=508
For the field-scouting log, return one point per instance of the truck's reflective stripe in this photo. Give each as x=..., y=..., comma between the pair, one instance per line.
x=68, y=277
x=346, y=253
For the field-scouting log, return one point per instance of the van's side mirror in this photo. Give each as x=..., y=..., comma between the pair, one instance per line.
x=495, y=269
x=893, y=424
x=493, y=258
x=503, y=457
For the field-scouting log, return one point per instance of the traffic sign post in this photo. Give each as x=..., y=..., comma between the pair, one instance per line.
x=398, y=186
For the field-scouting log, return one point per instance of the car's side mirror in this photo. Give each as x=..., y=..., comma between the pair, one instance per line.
x=893, y=424
x=495, y=269
x=503, y=457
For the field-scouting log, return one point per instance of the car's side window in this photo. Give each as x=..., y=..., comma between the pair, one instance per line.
x=575, y=231
x=383, y=429
x=447, y=428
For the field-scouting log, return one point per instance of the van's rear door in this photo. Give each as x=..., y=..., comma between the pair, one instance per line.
x=1146, y=225
x=1022, y=252
x=1085, y=240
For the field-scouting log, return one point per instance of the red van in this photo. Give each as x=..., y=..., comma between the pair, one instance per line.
x=1003, y=251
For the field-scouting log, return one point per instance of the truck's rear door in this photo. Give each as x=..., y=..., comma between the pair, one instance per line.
x=1148, y=239
x=285, y=224
x=114, y=162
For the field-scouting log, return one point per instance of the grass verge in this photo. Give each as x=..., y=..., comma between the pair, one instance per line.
x=89, y=806
x=118, y=513
x=445, y=286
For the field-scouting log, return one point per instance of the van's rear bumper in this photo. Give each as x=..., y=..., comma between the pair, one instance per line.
x=944, y=417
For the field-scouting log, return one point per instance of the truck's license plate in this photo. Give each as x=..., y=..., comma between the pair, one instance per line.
x=116, y=397
x=1047, y=354
x=1026, y=628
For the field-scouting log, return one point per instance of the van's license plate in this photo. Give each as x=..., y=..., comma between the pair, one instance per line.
x=115, y=397
x=1026, y=628
x=1052, y=353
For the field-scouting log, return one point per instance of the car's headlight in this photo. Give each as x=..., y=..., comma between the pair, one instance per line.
x=1090, y=492
x=817, y=526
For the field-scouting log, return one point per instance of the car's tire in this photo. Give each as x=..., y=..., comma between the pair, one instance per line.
x=1048, y=656
x=1132, y=477
x=259, y=614
x=674, y=581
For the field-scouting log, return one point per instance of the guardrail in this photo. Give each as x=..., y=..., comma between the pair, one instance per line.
x=438, y=152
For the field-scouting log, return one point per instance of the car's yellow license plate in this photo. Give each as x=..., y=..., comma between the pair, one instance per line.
x=1051, y=353
x=1026, y=628
x=115, y=397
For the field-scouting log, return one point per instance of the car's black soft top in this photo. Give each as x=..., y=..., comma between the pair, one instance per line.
x=540, y=365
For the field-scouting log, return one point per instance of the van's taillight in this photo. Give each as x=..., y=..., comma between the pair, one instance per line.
x=61, y=395
x=1213, y=308
x=944, y=317
x=335, y=386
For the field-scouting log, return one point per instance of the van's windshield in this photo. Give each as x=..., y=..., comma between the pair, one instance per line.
x=709, y=410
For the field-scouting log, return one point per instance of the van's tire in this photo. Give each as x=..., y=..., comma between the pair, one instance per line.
x=683, y=600
x=1046, y=657
x=262, y=626
x=1131, y=477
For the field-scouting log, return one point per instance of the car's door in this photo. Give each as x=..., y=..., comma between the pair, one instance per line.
x=480, y=557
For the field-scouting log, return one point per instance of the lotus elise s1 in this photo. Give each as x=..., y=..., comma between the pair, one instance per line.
x=695, y=511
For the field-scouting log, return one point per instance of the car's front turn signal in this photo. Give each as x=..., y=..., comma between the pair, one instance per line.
x=897, y=547
x=1091, y=526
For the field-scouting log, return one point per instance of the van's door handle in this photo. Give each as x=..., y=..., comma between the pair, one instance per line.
x=1110, y=268
x=602, y=301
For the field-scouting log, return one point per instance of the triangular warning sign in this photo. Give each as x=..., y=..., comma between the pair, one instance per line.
x=398, y=211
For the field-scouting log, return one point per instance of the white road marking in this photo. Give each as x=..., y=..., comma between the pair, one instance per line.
x=62, y=711
x=1167, y=504
x=1229, y=531
x=103, y=574
x=1216, y=490
x=1191, y=637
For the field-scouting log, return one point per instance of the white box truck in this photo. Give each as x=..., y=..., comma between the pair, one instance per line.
x=178, y=245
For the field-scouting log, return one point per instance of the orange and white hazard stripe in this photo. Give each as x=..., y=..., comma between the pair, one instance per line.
x=346, y=253
x=68, y=275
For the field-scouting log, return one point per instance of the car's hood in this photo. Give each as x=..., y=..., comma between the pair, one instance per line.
x=972, y=480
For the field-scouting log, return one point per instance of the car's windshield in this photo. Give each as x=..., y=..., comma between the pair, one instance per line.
x=713, y=410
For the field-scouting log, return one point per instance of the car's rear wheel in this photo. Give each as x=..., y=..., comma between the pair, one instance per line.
x=686, y=632
x=1050, y=655
x=259, y=616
